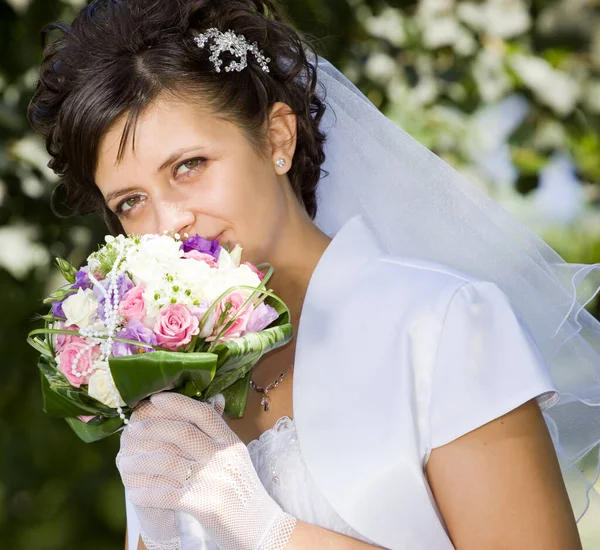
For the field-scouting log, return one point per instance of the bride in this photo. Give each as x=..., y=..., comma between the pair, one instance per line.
x=443, y=382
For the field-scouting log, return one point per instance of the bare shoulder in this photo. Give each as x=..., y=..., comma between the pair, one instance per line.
x=500, y=486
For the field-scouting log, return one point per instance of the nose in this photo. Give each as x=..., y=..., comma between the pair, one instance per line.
x=174, y=217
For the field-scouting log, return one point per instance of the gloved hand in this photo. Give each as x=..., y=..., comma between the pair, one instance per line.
x=178, y=454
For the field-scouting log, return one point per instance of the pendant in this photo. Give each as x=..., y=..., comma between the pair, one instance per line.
x=265, y=402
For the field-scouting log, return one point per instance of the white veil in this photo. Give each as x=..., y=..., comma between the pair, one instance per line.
x=418, y=206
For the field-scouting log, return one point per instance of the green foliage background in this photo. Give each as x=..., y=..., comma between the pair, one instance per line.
x=59, y=493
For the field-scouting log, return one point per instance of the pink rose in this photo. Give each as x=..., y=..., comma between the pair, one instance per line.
x=66, y=360
x=63, y=339
x=86, y=419
x=260, y=274
x=175, y=326
x=238, y=327
x=201, y=257
x=132, y=306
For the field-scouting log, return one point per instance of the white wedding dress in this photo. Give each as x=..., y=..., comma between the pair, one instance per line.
x=453, y=356
x=278, y=461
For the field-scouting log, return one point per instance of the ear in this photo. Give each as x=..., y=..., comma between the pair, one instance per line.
x=282, y=135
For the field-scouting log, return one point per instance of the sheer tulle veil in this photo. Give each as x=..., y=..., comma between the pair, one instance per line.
x=419, y=206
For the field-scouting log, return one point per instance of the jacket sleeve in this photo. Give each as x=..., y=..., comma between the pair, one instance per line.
x=486, y=365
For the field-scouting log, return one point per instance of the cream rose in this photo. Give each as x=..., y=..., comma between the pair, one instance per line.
x=80, y=309
x=102, y=387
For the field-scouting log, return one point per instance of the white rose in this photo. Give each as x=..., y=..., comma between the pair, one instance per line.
x=163, y=248
x=80, y=309
x=102, y=387
x=225, y=280
x=192, y=274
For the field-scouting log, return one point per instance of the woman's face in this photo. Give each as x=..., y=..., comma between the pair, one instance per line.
x=192, y=172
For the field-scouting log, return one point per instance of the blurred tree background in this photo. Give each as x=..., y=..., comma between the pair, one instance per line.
x=508, y=91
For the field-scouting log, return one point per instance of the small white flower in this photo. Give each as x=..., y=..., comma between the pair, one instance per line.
x=554, y=88
x=389, y=25
x=80, y=309
x=236, y=255
x=102, y=387
x=225, y=262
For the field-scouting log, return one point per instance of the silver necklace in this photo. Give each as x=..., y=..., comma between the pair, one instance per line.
x=266, y=400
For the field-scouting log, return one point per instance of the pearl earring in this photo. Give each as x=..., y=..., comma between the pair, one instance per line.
x=280, y=163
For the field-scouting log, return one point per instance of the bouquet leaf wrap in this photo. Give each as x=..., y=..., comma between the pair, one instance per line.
x=136, y=321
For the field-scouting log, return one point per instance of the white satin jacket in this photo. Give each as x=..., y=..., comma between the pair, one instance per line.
x=397, y=356
x=394, y=357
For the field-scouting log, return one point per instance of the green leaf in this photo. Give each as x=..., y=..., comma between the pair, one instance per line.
x=139, y=376
x=236, y=397
x=41, y=346
x=67, y=270
x=237, y=357
x=94, y=430
x=62, y=400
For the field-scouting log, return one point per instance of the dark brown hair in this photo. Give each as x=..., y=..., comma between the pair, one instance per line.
x=118, y=55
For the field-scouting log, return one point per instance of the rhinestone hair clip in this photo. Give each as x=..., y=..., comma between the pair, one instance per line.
x=235, y=44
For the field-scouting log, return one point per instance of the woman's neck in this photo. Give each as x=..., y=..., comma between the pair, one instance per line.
x=300, y=250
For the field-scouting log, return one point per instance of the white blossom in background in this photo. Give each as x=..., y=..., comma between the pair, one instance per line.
x=490, y=75
x=501, y=18
x=440, y=31
x=32, y=151
x=429, y=9
x=552, y=87
x=465, y=43
x=549, y=134
x=437, y=23
x=380, y=67
x=472, y=14
x=388, y=25
x=591, y=96
x=31, y=185
x=19, y=254
x=559, y=196
x=428, y=86
x=506, y=18
x=20, y=6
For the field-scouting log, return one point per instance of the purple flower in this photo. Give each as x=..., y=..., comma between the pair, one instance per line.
x=57, y=309
x=202, y=245
x=82, y=280
x=135, y=330
x=261, y=318
x=124, y=284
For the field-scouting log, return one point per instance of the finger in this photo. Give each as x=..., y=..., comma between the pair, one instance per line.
x=131, y=445
x=146, y=409
x=202, y=415
x=154, y=482
x=155, y=497
x=172, y=467
x=190, y=440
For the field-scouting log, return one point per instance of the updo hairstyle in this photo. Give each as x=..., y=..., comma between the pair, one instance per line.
x=117, y=56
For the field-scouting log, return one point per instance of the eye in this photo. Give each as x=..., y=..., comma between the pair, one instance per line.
x=188, y=167
x=128, y=204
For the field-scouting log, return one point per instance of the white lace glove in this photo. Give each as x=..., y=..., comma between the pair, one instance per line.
x=178, y=454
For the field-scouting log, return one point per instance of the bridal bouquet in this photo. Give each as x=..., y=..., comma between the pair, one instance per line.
x=150, y=314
